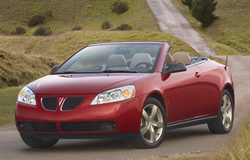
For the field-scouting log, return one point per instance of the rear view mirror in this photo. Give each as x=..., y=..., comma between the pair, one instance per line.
x=54, y=68
x=174, y=67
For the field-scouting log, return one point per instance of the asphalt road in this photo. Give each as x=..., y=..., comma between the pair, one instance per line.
x=186, y=140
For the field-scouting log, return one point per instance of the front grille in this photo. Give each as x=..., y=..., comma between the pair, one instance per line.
x=37, y=126
x=71, y=103
x=88, y=126
x=49, y=103
x=66, y=104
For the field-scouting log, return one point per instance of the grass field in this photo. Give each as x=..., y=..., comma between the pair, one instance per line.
x=230, y=34
x=8, y=98
x=89, y=14
x=25, y=58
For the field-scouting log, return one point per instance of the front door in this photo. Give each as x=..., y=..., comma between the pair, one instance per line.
x=183, y=95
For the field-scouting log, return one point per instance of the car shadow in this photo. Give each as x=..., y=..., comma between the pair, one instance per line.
x=88, y=145
x=188, y=132
x=85, y=145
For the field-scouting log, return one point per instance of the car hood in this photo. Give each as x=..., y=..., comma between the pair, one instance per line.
x=82, y=83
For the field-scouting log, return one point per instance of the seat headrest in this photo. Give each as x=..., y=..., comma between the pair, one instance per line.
x=140, y=57
x=116, y=61
x=182, y=57
x=169, y=59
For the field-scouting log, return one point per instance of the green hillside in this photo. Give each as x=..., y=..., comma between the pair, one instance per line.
x=230, y=34
x=25, y=58
x=66, y=14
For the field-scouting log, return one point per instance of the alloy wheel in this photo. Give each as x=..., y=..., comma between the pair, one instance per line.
x=226, y=111
x=151, y=123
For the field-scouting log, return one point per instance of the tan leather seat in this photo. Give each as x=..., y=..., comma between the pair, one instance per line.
x=169, y=59
x=182, y=57
x=139, y=58
x=117, y=62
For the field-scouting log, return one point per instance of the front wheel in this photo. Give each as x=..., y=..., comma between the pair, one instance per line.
x=38, y=142
x=224, y=121
x=152, y=127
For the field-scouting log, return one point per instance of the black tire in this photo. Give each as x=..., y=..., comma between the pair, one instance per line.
x=153, y=126
x=224, y=121
x=38, y=142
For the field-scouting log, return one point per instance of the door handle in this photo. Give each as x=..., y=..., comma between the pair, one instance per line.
x=197, y=74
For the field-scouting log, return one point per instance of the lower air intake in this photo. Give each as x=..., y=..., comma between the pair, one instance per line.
x=36, y=126
x=88, y=126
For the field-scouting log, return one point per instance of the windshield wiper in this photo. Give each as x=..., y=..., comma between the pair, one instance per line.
x=119, y=71
x=74, y=72
x=67, y=72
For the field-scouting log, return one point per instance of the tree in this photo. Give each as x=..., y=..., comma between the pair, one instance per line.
x=189, y=3
x=202, y=10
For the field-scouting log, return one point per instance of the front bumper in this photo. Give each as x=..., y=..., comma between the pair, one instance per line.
x=86, y=121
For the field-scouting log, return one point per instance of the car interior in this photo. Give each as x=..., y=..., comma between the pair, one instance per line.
x=183, y=58
x=119, y=62
x=135, y=62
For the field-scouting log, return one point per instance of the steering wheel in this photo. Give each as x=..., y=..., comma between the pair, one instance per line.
x=148, y=65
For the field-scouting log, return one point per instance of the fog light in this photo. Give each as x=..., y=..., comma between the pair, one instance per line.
x=21, y=126
x=108, y=126
x=114, y=126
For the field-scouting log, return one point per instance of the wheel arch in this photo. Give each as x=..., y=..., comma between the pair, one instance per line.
x=159, y=97
x=231, y=91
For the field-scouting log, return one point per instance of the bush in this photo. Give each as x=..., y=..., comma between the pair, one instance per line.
x=202, y=10
x=119, y=7
x=77, y=28
x=124, y=27
x=189, y=3
x=42, y=31
x=106, y=25
x=37, y=19
x=18, y=31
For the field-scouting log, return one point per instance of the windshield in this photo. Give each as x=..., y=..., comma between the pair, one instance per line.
x=120, y=58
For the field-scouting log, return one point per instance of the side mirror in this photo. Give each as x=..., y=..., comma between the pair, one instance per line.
x=174, y=67
x=54, y=68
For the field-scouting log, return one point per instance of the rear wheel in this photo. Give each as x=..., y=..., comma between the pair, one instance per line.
x=224, y=121
x=152, y=127
x=38, y=142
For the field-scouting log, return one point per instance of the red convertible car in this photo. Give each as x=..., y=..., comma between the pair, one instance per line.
x=133, y=90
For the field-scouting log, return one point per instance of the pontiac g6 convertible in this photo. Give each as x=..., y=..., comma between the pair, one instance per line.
x=133, y=90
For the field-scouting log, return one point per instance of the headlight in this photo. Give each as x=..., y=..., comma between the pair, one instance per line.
x=114, y=95
x=27, y=96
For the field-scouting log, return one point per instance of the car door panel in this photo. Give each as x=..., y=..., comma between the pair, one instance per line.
x=211, y=81
x=184, y=95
